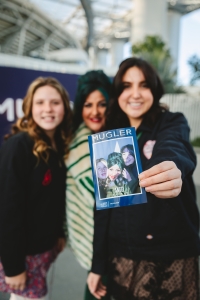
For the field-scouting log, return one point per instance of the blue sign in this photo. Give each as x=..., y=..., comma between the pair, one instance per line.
x=13, y=86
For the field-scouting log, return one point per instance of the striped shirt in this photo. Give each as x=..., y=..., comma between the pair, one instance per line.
x=80, y=198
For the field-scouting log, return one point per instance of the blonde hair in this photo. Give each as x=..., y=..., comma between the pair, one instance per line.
x=102, y=160
x=63, y=132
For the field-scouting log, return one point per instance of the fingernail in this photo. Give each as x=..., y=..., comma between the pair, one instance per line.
x=142, y=182
x=140, y=176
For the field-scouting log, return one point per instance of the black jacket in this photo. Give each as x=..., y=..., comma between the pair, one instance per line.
x=172, y=224
x=32, y=202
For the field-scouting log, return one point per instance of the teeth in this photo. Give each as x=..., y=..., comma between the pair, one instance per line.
x=135, y=104
x=48, y=118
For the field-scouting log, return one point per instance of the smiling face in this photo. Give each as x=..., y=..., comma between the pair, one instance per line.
x=93, y=112
x=127, y=157
x=101, y=170
x=47, y=109
x=114, y=172
x=136, y=98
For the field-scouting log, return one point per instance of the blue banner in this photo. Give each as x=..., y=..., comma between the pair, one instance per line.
x=13, y=86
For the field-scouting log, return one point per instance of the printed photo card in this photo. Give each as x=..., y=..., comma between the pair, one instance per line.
x=116, y=165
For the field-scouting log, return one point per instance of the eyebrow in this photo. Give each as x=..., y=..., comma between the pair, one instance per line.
x=144, y=81
x=43, y=98
x=89, y=101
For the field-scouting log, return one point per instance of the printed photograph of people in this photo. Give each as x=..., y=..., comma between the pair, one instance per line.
x=116, y=169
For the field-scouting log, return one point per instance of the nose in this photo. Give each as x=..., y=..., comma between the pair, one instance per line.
x=48, y=106
x=95, y=110
x=135, y=92
x=125, y=155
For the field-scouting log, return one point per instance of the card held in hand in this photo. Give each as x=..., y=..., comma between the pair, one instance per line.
x=116, y=165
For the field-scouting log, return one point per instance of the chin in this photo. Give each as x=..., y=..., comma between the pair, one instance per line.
x=95, y=130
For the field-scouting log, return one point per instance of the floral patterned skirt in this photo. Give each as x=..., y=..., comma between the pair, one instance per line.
x=36, y=269
x=141, y=280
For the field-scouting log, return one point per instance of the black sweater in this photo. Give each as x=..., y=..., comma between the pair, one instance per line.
x=32, y=202
x=172, y=223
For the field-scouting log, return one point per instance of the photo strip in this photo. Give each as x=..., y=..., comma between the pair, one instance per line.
x=115, y=166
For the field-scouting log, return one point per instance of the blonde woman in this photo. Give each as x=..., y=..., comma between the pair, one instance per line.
x=102, y=170
x=32, y=194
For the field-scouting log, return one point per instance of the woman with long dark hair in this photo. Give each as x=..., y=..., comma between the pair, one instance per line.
x=150, y=251
x=130, y=170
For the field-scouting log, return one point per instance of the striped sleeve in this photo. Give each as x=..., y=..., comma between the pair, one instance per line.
x=80, y=198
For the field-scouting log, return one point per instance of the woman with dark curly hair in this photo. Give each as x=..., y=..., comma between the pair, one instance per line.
x=150, y=251
x=116, y=184
x=90, y=105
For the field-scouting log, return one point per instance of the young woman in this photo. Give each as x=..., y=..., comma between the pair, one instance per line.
x=102, y=170
x=89, y=117
x=130, y=171
x=152, y=248
x=116, y=184
x=32, y=193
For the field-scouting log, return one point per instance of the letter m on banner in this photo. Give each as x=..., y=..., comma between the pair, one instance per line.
x=8, y=107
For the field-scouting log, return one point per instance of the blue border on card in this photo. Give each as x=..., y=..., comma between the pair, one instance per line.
x=115, y=135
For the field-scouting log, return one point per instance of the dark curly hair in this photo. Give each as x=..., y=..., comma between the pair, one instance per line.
x=88, y=83
x=115, y=117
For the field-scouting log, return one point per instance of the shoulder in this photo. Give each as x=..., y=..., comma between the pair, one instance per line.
x=80, y=136
x=19, y=137
x=79, y=149
x=172, y=122
x=176, y=117
x=19, y=142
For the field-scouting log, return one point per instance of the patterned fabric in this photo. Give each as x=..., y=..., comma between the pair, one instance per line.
x=118, y=188
x=36, y=268
x=80, y=198
x=17, y=297
x=140, y=280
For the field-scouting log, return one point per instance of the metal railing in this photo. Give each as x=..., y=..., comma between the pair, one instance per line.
x=189, y=106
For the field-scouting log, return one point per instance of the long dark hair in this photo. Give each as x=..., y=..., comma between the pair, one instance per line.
x=88, y=83
x=115, y=117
